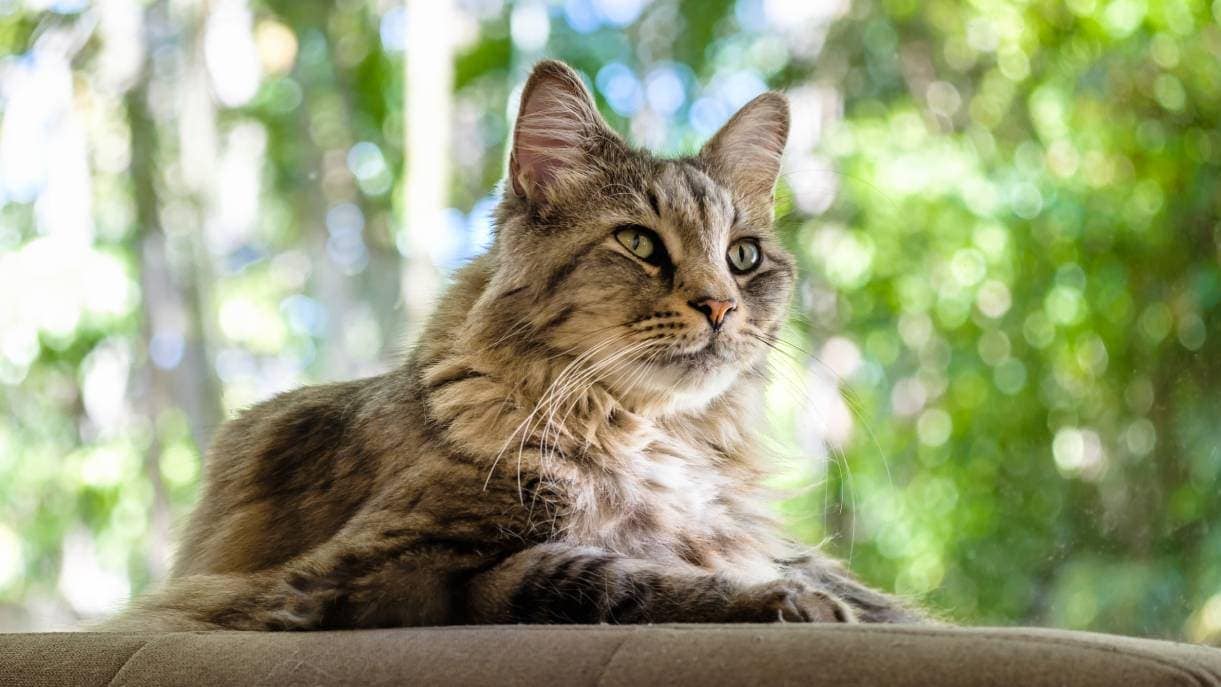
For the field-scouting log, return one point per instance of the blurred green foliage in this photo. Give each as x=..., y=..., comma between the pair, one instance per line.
x=1007, y=214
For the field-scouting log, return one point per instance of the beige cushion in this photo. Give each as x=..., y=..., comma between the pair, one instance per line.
x=605, y=655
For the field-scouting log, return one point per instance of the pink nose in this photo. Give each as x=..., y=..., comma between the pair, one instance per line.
x=715, y=310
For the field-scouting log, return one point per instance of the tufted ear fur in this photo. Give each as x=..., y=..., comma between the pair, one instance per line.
x=745, y=153
x=557, y=128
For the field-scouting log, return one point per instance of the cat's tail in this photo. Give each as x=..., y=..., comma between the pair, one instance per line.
x=183, y=604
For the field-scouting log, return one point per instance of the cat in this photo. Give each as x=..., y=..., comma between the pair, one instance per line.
x=572, y=440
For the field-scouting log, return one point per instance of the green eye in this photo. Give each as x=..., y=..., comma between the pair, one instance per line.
x=744, y=255
x=642, y=242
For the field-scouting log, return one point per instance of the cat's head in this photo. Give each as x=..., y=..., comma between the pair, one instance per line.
x=664, y=276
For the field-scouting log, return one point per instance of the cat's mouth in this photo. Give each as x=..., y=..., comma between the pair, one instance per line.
x=714, y=351
x=689, y=376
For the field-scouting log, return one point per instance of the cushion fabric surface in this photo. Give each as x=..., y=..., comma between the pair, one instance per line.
x=849, y=655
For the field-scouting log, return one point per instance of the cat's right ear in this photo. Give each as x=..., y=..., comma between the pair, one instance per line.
x=557, y=127
x=745, y=153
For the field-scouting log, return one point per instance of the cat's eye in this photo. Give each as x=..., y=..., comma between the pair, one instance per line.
x=744, y=255
x=643, y=243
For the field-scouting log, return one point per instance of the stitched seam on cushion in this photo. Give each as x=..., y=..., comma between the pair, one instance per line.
x=611, y=659
x=149, y=642
x=1210, y=678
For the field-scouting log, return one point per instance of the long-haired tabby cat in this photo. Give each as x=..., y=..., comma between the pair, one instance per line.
x=573, y=440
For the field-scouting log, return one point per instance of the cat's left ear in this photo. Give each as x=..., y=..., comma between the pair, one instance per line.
x=558, y=128
x=745, y=153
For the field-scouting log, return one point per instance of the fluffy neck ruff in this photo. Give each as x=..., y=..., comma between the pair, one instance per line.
x=635, y=475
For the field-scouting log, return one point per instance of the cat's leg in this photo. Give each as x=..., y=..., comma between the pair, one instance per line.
x=868, y=605
x=373, y=578
x=558, y=583
x=299, y=596
x=430, y=583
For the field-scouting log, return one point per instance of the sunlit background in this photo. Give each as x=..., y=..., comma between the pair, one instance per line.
x=1000, y=394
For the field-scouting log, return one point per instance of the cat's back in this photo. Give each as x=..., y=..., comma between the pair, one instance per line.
x=284, y=476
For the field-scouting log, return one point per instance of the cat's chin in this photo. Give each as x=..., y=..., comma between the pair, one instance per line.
x=678, y=386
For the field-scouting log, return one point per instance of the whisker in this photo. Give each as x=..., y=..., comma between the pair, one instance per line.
x=553, y=389
x=616, y=361
x=836, y=456
x=850, y=398
x=526, y=422
x=839, y=457
x=564, y=385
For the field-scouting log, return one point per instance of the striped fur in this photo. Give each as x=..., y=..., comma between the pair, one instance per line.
x=569, y=442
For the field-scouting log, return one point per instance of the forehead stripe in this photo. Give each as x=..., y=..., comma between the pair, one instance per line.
x=698, y=191
x=653, y=203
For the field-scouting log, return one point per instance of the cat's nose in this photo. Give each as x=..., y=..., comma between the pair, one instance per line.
x=714, y=309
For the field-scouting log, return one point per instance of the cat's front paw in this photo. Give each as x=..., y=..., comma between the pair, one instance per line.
x=789, y=601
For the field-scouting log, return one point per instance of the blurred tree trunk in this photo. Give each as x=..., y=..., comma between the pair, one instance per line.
x=197, y=386
x=174, y=371
x=330, y=285
x=154, y=385
x=315, y=198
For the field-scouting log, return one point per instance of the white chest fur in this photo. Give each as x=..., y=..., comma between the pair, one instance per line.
x=671, y=501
